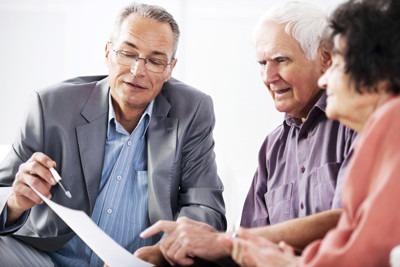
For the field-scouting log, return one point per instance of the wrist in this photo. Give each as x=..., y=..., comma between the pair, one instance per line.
x=14, y=211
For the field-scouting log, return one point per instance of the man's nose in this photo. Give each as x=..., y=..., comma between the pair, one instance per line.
x=138, y=66
x=270, y=73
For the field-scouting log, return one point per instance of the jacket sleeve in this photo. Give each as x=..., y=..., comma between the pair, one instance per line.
x=27, y=141
x=200, y=193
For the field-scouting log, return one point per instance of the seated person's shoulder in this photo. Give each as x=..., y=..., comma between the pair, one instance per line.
x=67, y=87
x=84, y=80
x=174, y=88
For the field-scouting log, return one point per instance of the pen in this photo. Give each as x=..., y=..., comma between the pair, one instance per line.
x=58, y=179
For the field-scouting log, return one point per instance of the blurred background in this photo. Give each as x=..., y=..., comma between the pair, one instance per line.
x=46, y=41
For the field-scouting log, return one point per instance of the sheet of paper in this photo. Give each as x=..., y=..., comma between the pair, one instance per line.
x=103, y=245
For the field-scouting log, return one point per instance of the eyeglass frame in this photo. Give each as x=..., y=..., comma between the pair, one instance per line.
x=136, y=59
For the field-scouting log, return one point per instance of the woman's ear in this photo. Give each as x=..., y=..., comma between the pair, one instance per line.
x=325, y=55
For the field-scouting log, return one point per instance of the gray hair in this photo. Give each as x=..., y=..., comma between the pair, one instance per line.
x=154, y=12
x=304, y=21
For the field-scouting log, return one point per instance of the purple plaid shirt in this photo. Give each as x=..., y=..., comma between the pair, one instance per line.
x=300, y=169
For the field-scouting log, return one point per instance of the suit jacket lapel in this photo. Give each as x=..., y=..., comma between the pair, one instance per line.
x=161, y=146
x=92, y=138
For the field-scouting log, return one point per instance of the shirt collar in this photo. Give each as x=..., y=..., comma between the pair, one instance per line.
x=112, y=118
x=318, y=107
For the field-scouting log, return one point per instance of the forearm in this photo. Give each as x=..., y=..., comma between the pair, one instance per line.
x=301, y=231
x=204, y=214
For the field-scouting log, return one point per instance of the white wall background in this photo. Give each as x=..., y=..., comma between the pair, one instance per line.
x=45, y=41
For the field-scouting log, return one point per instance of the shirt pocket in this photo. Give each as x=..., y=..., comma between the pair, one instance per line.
x=323, y=184
x=279, y=203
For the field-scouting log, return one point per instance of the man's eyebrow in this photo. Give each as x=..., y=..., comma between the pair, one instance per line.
x=277, y=55
x=130, y=44
x=152, y=52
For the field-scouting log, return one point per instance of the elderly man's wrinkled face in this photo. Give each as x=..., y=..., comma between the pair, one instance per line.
x=290, y=77
x=136, y=85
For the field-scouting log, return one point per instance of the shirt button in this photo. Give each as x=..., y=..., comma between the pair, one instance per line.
x=109, y=211
x=119, y=177
x=302, y=205
x=303, y=169
x=129, y=142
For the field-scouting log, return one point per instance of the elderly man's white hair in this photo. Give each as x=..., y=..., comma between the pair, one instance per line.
x=304, y=21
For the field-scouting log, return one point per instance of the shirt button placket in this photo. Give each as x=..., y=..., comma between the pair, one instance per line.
x=302, y=211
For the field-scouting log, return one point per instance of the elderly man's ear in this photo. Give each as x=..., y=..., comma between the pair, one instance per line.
x=325, y=55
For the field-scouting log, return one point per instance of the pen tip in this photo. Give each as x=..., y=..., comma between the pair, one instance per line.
x=68, y=194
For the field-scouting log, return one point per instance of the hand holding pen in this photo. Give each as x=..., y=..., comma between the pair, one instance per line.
x=33, y=173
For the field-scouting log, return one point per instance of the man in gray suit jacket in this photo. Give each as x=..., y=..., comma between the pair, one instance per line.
x=132, y=147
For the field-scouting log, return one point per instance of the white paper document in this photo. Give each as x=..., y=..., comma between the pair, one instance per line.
x=102, y=244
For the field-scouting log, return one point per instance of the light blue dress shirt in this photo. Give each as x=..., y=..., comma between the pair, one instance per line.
x=121, y=208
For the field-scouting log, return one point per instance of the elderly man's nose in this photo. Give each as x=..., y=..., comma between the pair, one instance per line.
x=270, y=73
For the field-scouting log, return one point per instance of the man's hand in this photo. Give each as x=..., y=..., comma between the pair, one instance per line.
x=252, y=250
x=35, y=172
x=187, y=239
x=152, y=254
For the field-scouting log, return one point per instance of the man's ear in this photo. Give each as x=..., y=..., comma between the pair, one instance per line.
x=169, y=73
x=107, y=49
x=325, y=55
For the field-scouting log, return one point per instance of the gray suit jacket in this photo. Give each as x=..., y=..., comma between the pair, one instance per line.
x=68, y=122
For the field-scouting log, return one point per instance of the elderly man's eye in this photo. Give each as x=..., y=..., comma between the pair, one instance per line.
x=281, y=59
x=262, y=63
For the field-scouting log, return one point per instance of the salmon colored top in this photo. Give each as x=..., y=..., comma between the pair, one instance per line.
x=370, y=224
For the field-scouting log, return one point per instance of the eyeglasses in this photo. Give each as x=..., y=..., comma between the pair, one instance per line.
x=131, y=59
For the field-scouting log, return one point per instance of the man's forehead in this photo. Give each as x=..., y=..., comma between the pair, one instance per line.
x=144, y=27
x=273, y=41
x=146, y=34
